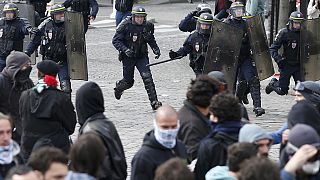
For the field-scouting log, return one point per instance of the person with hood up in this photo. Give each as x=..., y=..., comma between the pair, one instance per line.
x=14, y=79
x=225, y=115
x=255, y=134
x=90, y=109
x=47, y=114
x=159, y=145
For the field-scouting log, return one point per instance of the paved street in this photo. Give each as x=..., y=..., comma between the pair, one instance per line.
x=132, y=115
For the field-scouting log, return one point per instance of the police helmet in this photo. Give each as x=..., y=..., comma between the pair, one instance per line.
x=205, y=18
x=56, y=9
x=237, y=9
x=203, y=8
x=10, y=8
x=295, y=17
x=138, y=11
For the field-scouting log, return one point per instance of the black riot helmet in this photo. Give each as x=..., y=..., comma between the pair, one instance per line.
x=297, y=18
x=57, y=9
x=138, y=12
x=237, y=10
x=10, y=11
x=203, y=8
x=205, y=19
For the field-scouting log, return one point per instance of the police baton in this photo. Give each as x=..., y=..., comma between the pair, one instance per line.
x=164, y=61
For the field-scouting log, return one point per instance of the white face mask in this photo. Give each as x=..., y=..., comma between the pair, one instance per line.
x=167, y=138
x=311, y=167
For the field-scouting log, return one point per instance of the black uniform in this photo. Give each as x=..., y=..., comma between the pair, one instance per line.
x=12, y=33
x=289, y=61
x=40, y=6
x=131, y=41
x=86, y=7
x=51, y=36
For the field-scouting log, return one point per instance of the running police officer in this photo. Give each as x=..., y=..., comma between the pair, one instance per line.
x=188, y=24
x=289, y=61
x=51, y=36
x=131, y=39
x=247, y=72
x=12, y=32
x=196, y=44
x=88, y=8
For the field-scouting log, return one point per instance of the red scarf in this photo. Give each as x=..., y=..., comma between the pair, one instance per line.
x=50, y=81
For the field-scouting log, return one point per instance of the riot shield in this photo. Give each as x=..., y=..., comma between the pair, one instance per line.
x=260, y=48
x=310, y=50
x=223, y=51
x=26, y=11
x=76, y=46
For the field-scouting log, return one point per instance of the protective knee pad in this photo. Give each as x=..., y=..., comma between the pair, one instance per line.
x=123, y=85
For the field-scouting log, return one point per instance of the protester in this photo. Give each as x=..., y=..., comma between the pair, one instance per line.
x=21, y=172
x=194, y=115
x=174, y=169
x=159, y=145
x=226, y=121
x=90, y=108
x=86, y=156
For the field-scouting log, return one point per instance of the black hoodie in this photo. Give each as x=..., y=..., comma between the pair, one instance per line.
x=11, y=88
x=151, y=155
x=90, y=108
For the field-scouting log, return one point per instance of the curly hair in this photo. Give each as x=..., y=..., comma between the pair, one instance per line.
x=202, y=89
x=226, y=107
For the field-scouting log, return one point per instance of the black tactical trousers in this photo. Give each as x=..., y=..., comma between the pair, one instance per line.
x=129, y=65
x=285, y=74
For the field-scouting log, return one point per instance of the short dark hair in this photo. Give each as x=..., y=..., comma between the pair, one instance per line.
x=18, y=170
x=226, y=107
x=42, y=158
x=239, y=152
x=87, y=154
x=174, y=169
x=259, y=168
x=202, y=89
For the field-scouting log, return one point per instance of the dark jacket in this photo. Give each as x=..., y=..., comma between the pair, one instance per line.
x=222, y=13
x=46, y=116
x=188, y=24
x=87, y=7
x=194, y=126
x=124, y=5
x=151, y=155
x=11, y=87
x=213, y=152
x=90, y=108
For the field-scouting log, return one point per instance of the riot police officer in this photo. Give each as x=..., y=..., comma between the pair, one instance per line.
x=247, y=73
x=289, y=61
x=188, y=24
x=51, y=36
x=12, y=32
x=131, y=39
x=88, y=8
x=40, y=6
x=196, y=44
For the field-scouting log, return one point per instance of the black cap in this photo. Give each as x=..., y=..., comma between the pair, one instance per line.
x=48, y=67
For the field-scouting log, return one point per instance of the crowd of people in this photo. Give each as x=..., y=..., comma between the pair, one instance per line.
x=210, y=137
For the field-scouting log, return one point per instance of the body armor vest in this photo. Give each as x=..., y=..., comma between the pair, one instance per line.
x=291, y=47
x=9, y=33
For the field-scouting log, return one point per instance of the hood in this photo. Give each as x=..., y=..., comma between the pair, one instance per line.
x=15, y=61
x=305, y=113
x=219, y=173
x=89, y=101
x=252, y=133
x=150, y=140
x=78, y=176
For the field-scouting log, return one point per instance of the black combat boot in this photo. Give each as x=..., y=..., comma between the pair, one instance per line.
x=270, y=86
x=151, y=91
x=66, y=87
x=120, y=87
x=242, y=91
x=256, y=96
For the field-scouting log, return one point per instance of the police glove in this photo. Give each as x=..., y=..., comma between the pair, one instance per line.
x=26, y=52
x=157, y=53
x=194, y=13
x=129, y=53
x=280, y=61
x=173, y=54
x=33, y=30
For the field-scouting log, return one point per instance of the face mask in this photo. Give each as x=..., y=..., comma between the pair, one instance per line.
x=23, y=75
x=167, y=138
x=311, y=167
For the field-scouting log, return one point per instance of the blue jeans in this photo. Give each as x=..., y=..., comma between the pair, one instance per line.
x=64, y=72
x=120, y=16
